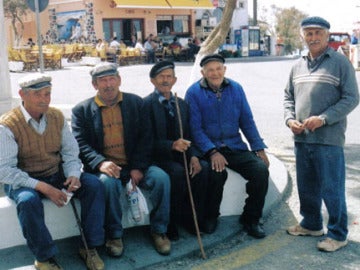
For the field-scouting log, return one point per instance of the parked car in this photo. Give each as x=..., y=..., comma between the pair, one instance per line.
x=337, y=39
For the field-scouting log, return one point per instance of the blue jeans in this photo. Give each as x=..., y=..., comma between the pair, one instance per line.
x=321, y=176
x=157, y=182
x=30, y=211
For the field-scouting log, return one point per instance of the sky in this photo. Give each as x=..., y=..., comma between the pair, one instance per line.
x=342, y=14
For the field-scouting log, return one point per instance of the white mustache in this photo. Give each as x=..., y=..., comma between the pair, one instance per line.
x=314, y=42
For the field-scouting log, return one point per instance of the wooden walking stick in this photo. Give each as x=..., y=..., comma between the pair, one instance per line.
x=82, y=232
x=188, y=182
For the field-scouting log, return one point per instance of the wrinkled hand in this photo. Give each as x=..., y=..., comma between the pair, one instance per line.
x=110, y=168
x=296, y=127
x=55, y=195
x=313, y=123
x=195, y=166
x=261, y=154
x=181, y=145
x=136, y=176
x=72, y=183
x=218, y=162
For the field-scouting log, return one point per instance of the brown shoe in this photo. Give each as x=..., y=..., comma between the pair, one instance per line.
x=297, y=230
x=162, y=243
x=93, y=261
x=114, y=247
x=50, y=264
x=330, y=245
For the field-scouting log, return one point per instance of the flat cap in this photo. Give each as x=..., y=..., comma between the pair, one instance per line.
x=35, y=81
x=160, y=66
x=315, y=22
x=212, y=57
x=104, y=69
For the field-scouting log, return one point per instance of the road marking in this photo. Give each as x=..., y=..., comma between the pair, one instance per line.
x=247, y=255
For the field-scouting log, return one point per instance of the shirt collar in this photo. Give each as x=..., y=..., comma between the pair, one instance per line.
x=27, y=116
x=101, y=103
x=204, y=84
x=162, y=98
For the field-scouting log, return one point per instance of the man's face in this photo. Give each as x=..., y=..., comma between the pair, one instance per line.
x=214, y=73
x=164, y=81
x=108, y=88
x=316, y=40
x=36, y=102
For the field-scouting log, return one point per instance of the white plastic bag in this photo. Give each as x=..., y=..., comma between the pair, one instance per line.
x=143, y=208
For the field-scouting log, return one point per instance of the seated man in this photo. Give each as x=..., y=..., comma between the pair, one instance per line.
x=39, y=157
x=115, y=144
x=219, y=110
x=169, y=146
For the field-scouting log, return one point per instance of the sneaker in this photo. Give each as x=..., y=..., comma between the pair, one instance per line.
x=114, y=247
x=330, y=245
x=93, y=261
x=162, y=243
x=50, y=264
x=298, y=230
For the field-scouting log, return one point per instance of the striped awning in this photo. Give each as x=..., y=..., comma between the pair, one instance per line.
x=186, y=4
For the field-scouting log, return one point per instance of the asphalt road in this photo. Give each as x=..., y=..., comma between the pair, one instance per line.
x=263, y=83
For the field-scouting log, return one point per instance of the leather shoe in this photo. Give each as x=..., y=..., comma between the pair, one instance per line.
x=209, y=225
x=172, y=232
x=255, y=230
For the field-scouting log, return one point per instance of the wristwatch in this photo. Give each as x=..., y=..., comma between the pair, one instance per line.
x=322, y=118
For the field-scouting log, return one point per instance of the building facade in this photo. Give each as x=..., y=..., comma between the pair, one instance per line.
x=88, y=20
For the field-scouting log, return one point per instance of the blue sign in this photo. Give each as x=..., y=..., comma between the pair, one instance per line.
x=42, y=4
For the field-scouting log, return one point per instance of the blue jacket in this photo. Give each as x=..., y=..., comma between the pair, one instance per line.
x=215, y=119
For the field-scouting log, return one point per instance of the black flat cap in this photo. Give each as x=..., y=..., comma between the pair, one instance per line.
x=160, y=66
x=315, y=22
x=212, y=57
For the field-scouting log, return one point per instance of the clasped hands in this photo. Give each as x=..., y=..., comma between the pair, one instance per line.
x=310, y=123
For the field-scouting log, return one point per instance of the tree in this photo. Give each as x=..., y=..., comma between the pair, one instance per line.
x=288, y=27
x=215, y=39
x=14, y=10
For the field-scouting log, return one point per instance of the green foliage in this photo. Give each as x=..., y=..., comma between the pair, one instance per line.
x=287, y=28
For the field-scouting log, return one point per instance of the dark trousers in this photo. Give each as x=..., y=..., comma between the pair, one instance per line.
x=205, y=194
x=255, y=172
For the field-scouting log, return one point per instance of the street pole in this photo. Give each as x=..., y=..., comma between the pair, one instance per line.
x=38, y=31
x=5, y=89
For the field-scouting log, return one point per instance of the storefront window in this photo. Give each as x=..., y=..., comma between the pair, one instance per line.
x=167, y=24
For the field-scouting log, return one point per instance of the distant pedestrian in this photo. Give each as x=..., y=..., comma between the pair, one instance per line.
x=321, y=92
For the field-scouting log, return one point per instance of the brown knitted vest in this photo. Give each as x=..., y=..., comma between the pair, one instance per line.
x=38, y=154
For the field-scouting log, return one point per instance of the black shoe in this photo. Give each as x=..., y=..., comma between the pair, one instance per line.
x=255, y=230
x=209, y=225
x=172, y=232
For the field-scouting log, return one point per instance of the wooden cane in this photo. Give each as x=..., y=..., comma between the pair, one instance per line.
x=188, y=181
x=72, y=202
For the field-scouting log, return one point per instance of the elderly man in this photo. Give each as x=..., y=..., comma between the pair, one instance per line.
x=321, y=91
x=218, y=109
x=115, y=144
x=39, y=157
x=169, y=144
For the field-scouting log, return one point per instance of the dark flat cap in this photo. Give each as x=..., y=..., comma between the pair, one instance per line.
x=104, y=69
x=212, y=57
x=160, y=66
x=315, y=22
x=35, y=81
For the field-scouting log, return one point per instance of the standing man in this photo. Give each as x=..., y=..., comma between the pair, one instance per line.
x=321, y=91
x=218, y=109
x=115, y=144
x=39, y=157
x=169, y=146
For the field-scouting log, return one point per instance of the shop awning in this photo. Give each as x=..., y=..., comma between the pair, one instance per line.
x=186, y=4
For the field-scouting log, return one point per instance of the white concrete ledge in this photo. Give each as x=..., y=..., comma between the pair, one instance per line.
x=62, y=224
